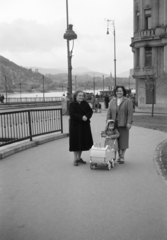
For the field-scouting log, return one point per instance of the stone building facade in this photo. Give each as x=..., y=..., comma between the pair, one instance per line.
x=149, y=46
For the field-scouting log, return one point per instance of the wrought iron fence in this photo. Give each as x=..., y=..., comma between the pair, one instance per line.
x=21, y=125
x=32, y=99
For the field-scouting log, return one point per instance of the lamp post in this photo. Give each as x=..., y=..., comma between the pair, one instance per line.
x=75, y=83
x=43, y=77
x=6, y=88
x=103, y=84
x=94, y=85
x=69, y=35
x=20, y=91
x=113, y=23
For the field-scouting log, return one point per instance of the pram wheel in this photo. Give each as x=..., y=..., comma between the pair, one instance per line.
x=91, y=166
x=112, y=163
x=109, y=166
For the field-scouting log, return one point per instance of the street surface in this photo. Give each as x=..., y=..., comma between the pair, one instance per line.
x=44, y=197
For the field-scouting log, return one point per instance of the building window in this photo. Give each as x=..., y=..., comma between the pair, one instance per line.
x=148, y=22
x=137, y=57
x=137, y=22
x=148, y=57
x=147, y=19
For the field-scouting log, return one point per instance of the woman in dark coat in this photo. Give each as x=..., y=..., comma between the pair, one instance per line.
x=80, y=132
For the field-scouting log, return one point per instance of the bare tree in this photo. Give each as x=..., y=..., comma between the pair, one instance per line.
x=154, y=77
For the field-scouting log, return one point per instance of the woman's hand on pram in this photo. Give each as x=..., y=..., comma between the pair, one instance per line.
x=108, y=137
x=103, y=134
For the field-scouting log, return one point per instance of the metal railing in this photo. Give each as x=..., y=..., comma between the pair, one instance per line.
x=21, y=125
x=32, y=99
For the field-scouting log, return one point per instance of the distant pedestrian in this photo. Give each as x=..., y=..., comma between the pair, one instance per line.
x=121, y=110
x=97, y=105
x=2, y=98
x=106, y=101
x=80, y=131
x=133, y=101
x=64, y=103
x=93, y=102
x=97, y=95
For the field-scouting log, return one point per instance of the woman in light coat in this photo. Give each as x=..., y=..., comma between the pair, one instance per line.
x=121, y=110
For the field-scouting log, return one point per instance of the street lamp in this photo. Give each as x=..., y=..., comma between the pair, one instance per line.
x=94, y=87
x=113, y=23
x=69, y=35
x=6, y=88
x=75, y=83
x=43, y=77
x=20, y=91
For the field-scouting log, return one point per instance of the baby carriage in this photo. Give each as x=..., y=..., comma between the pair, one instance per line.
x=101, y=156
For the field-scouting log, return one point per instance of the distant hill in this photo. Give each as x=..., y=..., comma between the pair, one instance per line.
x=75, y=71
x=14, y=77
x=124, y=74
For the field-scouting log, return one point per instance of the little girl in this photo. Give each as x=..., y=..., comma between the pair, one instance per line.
x=111, y=134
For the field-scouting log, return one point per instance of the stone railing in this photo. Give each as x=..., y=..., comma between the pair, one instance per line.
x=149, y=33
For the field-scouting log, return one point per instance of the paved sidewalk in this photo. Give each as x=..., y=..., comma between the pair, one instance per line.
x=44, y=197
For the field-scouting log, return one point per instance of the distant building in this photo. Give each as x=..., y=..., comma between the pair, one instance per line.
x=149, y=45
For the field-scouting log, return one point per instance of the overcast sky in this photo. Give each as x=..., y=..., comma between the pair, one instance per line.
x=31, y=33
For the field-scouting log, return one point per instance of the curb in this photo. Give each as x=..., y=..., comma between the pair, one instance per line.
x=10, y=150
x=158, y=161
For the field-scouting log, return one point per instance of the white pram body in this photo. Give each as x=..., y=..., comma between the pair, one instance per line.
x=101, y=156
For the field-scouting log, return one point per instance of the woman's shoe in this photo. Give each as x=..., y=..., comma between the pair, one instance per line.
x=81, y=161
x=75, y=163
x=121, y=161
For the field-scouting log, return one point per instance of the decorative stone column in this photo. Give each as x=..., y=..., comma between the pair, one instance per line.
x=165, y=12
x=142, y=15
x=142, y=58
x=134, y=16
x=165, y=58
x=154, y=57
x=155, y=9
x=134, y=57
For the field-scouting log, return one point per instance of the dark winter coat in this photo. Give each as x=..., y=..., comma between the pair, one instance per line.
x=80, y=131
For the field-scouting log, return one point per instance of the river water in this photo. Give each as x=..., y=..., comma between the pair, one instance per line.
x=34, y=94
x=37, y=94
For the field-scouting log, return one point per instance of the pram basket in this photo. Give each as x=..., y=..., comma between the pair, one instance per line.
x=101, y=156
